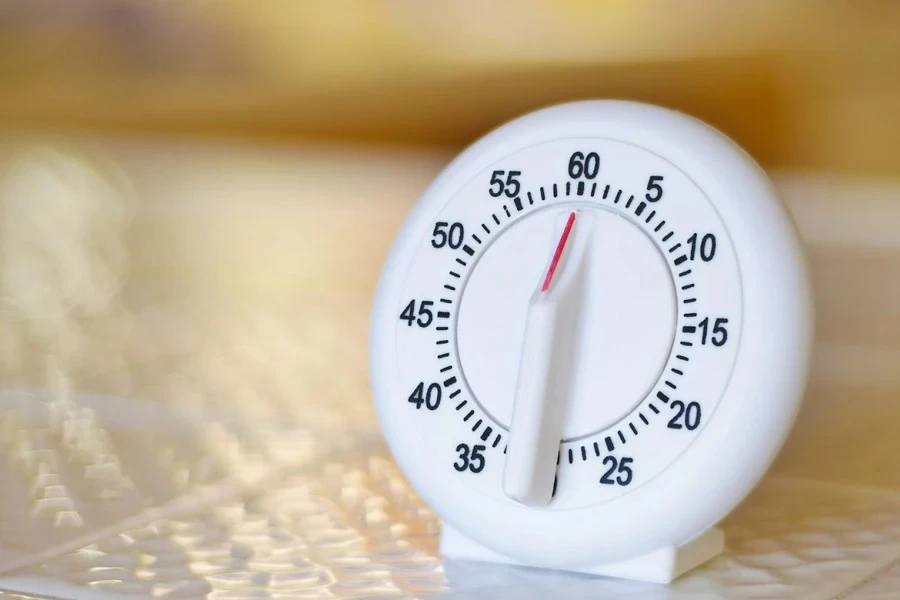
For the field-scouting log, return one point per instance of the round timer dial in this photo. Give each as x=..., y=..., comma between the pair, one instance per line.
x=592, y=334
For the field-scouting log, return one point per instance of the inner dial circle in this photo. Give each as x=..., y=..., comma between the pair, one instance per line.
x=533, y=397
x=623, y=326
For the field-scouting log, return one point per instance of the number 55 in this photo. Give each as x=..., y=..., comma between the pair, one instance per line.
x=510, y=186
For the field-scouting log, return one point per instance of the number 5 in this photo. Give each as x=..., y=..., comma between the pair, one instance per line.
x=654, y=190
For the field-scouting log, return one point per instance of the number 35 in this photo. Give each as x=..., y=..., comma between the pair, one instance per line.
x=470, y=459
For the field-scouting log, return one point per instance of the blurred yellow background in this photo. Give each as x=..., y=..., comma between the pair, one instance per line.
x=196, y=198
x=801, y=83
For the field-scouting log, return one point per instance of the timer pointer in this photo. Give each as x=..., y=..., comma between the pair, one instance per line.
x=560, y=246
x=539, y=407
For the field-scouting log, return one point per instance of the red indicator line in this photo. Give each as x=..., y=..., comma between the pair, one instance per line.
x=560, y=246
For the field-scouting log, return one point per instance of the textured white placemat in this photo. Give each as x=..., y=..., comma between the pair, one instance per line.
x=341, y=521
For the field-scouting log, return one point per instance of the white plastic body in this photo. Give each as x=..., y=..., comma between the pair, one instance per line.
x=756, y=409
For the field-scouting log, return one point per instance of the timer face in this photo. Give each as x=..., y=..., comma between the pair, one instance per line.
x=592, y=334
x=650, y=334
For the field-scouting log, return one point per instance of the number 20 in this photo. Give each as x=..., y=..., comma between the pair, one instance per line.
x=686, y=416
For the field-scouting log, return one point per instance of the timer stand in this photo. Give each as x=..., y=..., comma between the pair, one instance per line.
x=659, y=566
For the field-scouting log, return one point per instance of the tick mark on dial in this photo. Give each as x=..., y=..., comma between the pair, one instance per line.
x=633, y=428
x=554, y=190
x=568, y=188
x=449, y=382
x=659, y=226
x=680, y=260
x=476, y=425
x=447, y=368
x=443, y=355
x=688, y=329
x=446, y=301
x=682, y=357
x=689, y=315
x=571, y=459
x=675, y=247
x=441, y=342
x=469, y=415
x=687, y=286
x=671, y=385
x=583, y=453
x=580, y=190
x=486, y=230
x=461, y=404
x=441, y=328
x=496, y=441
x=443, y=314
x=476, y=238
x=454, y=274
x=630, y=200
x=663, y=397
x=684, y=273
x=468, y=250
x=496, y=220
x=530, y=199
x=643, y=418
x=677, y=371
x=618, y=197
x=689, y=300
x=593, y=189
x=518, y=202
x=455, y=393
x=621, y=436
x=596, y=449
x=653, y=408
x=605, y=192
x=685, y=343
x=506, y=210
x=543, y=196
x=486, y=433
x=449, y=287
x=609, y=444
x=640, y=208
x=667, y=236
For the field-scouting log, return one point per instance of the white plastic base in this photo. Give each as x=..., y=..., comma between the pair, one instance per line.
x=660, y=566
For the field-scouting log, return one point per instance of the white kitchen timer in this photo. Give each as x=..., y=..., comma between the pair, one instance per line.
x=590, y=340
